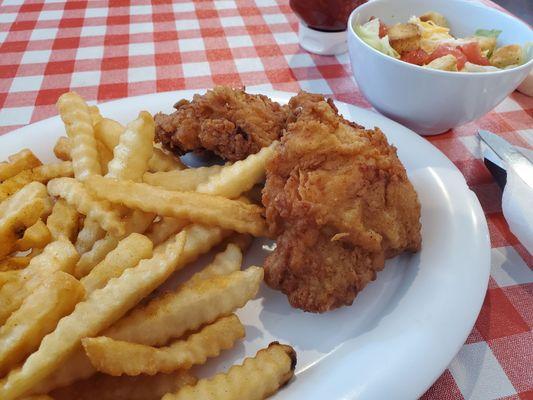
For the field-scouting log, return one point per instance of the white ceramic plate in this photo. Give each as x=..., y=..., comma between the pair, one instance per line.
x=404, y=328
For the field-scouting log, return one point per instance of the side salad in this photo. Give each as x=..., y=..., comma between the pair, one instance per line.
x=426, y=41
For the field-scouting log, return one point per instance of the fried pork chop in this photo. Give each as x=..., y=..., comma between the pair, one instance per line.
x=228, y=122
x=339, y=201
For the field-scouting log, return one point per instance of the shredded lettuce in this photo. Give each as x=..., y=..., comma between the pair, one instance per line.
x=369, y=33
x=488, y=33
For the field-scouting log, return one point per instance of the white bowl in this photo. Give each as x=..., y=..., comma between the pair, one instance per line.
x=431, y=101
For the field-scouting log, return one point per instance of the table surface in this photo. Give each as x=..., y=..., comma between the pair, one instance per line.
x=523, y=8
x=108, y=51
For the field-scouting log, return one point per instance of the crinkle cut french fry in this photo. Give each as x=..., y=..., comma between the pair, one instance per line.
x=197, y=207
x=137, y=222
x=8, y=276
x=184, y=180
x=95, y=114
x=187, y=308
x=104, y=156
x=12, y=226
x=20, y=211
x=39, y=174
x=76, y=368
x=36, y=236
x=101, y=308
x=34, y=253
x=94, y=256
x=162, y=161
x=161, y=230
x=78, y=123
x=200, y=240
x=14, y=263
x=36, y=317
x=88, y=235
x=224, y=263
x=77, y=195
x=62, y=148
x=256, y=379
x=115, y=357
x=129, y=252
x=134, y=150
x=63, y=222
x=28, y=193
x=108, y=131
x=240, y=176
x=142, y=387
x=18, y=162
x=49, y=171
x=57, y=256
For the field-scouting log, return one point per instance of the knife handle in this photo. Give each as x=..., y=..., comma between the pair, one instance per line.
x=498, y=173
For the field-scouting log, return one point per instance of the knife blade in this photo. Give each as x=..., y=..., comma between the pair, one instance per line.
x=514, y=159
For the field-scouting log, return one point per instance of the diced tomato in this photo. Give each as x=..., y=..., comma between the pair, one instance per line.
x=472, y=51
x=383, y=29
x=417, y=57
x=443, y=50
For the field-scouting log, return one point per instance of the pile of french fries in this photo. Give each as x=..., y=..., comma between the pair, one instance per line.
x=85, y=242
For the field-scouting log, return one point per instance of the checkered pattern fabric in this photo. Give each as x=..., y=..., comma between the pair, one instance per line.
x=108, y=50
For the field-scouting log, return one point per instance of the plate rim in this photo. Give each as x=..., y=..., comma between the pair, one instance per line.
x=474, y=205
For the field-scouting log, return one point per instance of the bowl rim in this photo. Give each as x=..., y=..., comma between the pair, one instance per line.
x=415, y=67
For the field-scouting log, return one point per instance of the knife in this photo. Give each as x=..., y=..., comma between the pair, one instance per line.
x=513, y=158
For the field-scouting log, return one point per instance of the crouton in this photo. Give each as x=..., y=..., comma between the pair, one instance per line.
x=506, y=55
x=486, y=43
x=436, y=17
x=444, y=63
x=404, y=37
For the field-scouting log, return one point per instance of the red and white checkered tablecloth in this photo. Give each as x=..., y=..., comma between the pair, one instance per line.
x=108, y=50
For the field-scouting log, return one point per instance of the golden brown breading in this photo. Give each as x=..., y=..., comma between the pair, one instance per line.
x=404, y=37
x=228, y=122
x=340, y=202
